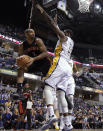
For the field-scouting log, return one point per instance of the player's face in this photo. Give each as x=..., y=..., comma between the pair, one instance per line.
x=67, y=33
x=30, y=34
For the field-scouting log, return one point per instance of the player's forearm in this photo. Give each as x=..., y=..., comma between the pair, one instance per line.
x=41, y=56
x=51, y=22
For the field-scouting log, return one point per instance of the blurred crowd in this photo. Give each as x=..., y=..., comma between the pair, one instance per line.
x=88, y=79
x=87, y=116
x=90, y=60
x=12, y=31
x=7, y=57
x=10, y=113
x=7, y=62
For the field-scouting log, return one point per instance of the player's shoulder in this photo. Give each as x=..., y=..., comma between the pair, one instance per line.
x=70, y=40
x=38, y=40
x=71, y=61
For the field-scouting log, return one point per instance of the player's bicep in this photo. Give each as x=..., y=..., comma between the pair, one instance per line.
x=41, y=45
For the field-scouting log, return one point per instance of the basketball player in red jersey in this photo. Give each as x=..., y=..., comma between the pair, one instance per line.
x=39, y=62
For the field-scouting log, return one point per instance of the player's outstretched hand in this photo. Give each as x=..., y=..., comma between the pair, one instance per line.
x=55, y=19
x=40, y=8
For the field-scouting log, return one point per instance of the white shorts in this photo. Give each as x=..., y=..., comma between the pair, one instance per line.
x=58, y=74
x=69, y=87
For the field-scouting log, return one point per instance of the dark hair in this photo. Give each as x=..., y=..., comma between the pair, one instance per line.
x=69, y=31
x=28, y=30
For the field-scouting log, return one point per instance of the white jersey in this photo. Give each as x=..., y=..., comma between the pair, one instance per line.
x=29, y=105
x=67, y=48
x=71, y=64
x=60, y=70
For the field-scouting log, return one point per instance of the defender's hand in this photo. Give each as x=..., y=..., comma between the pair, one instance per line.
x=55, y=19
x=40, y=8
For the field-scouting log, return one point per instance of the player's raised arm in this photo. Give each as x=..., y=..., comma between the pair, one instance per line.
x=52, y=24
x=55, y=19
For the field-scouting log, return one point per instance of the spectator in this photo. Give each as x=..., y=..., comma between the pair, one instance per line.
x=7, y=119
x=1, y=122
x=39, y=119
x=15, y=118
x=8, y=103
x=28, y=112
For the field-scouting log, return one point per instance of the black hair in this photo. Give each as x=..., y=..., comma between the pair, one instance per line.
x=69, y=31
x=28, y=30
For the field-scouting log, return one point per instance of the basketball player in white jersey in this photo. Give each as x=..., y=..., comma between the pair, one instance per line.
x=59, y=72
x=69, y=92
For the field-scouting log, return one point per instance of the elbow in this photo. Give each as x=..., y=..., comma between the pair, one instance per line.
x=46, y=53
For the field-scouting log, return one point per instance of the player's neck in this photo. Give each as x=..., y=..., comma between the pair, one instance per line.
x=30, y=41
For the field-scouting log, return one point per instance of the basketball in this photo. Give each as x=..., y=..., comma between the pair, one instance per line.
x=23, y=60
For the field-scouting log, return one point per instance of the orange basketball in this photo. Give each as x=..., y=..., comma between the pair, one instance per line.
x=23, y=60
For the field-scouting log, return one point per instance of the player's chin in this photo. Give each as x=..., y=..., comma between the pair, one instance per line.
x=32, y=37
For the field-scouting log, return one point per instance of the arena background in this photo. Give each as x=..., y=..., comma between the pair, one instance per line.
x=88, y=53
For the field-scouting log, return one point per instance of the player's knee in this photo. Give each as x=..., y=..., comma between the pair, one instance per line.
x=63, y=102
x=70, y=102
x=48, y=95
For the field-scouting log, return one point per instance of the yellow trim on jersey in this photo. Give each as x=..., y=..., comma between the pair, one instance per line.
x=55, y=61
